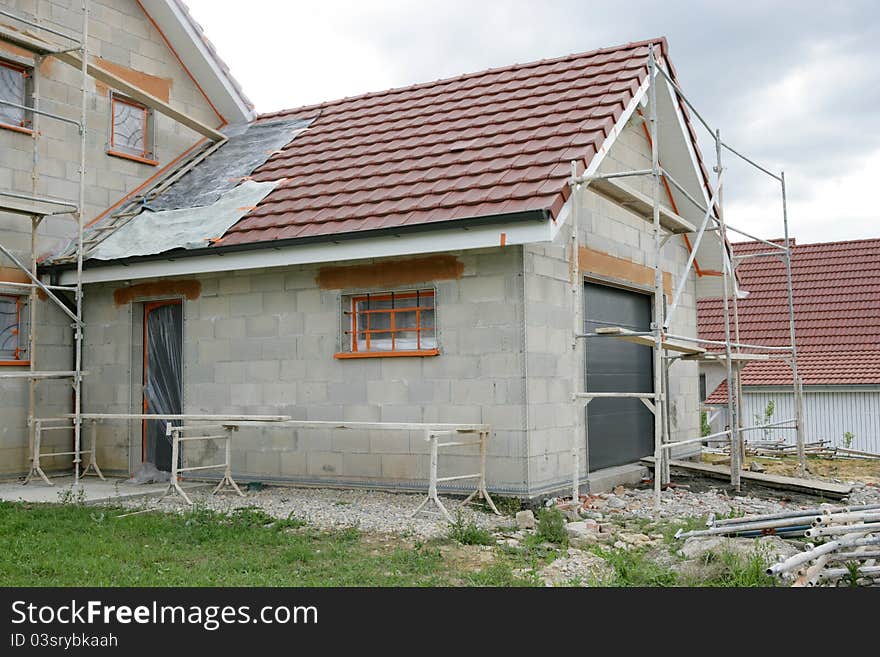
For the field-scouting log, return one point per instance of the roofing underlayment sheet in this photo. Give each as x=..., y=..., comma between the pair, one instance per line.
x=207, y=200
x=248, y=147
x=185, y=228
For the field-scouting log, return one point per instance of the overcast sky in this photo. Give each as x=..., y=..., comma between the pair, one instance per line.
x=793, y=84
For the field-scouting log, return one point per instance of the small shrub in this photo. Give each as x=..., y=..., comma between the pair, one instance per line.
x=467, y=532
x=848, y=439
x=705, y=427
x=551, y=526
x=508, y=506
x=72, y=496
x=852, y=572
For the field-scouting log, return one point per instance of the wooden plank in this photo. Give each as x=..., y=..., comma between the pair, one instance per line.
x=647, y=340
x=40, y=46
x=810, y=486
x=142, y=96
x=640, y=204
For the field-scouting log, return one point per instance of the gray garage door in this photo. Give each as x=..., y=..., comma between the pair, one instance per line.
x=618, y=430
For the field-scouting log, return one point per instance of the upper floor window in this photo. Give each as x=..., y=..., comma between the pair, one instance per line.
x=13, y=330
x=131, y=130
x=15, y=83
x=389, y=324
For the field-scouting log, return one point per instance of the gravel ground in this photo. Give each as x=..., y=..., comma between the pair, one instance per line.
x=371, y=511
x=376, y=511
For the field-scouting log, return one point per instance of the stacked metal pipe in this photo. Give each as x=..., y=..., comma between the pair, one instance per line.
x=851, y=551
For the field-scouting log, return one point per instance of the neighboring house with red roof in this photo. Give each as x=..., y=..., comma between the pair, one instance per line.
x=837, y=319
x=402, y=256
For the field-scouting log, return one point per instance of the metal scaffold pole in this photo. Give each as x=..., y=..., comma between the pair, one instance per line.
x=36, y=220
x=657, y=327
x=728, y=288
x=80, y=224
x=798, y=387
x=578, y=374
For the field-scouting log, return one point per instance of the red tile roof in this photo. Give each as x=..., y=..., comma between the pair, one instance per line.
x=837, y=312
x=491, y=143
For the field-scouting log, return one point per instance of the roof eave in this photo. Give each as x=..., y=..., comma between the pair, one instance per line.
x=485, y=231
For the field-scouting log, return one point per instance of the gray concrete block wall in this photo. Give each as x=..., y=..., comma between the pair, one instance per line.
x=605, y=227
x=121, y=33
x=262, y=342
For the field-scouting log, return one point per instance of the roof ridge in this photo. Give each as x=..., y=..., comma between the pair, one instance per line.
x=661, y=40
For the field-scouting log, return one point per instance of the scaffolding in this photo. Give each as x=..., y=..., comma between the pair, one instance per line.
x=42, y=42
x=735, y=354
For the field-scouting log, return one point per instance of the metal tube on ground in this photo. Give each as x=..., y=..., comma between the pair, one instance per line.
x=857, y=516
x=746, y=526
x=837, y=573
x=803, y=557
x=795, y=514
x=862, y=528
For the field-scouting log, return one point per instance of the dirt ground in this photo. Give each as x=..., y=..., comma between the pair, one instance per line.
x=864, y=470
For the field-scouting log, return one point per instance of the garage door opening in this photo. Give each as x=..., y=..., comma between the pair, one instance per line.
x=619, y=431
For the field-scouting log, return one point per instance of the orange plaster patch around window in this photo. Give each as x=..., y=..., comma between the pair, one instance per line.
x=191, y=289
x=603, y=264
x=391, y=273
x=153, y=85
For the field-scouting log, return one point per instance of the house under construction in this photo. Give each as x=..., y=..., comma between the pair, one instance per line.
x=316, y=295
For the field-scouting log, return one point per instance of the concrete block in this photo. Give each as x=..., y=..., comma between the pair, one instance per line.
x=403, y=466
x=262, y=326
x=324, y=463
x=293, y=464
x=389, y=442
x=361, y=465
x=248, y=305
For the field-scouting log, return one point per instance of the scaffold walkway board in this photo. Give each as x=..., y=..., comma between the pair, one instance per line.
x=27, y=374
x=709, y=357
x=34, y=207
x=648, y=341
x=640, y=204
x=810, y=486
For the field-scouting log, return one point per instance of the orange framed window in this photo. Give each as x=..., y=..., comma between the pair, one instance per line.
x=131, y=130
x=13, y=330
x=390, y=324
x=15, y=88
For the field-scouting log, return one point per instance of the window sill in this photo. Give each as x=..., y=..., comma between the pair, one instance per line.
x=16, y=128
x=15, y=363
x=133, y=158
x=345, y=355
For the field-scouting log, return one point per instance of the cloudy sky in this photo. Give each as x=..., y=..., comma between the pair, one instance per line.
x=792, y=83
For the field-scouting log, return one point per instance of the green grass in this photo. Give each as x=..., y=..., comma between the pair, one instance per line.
x=67, y=545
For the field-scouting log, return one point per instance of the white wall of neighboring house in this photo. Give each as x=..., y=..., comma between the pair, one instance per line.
x=830, y=413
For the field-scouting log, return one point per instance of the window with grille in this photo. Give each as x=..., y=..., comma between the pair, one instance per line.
x=13, y=330
x=131, y=130
x=390, y=324
x=14, y=96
